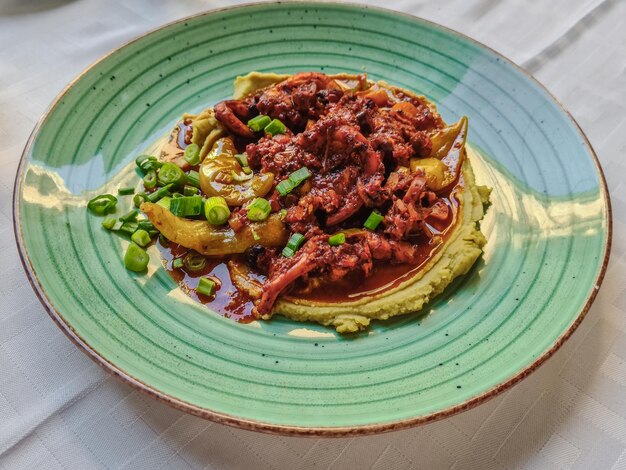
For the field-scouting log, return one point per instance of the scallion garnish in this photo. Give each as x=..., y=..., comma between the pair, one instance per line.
x=109, y=223
x=139, y=198
x=130, y=216
x=190, y=190
x=193, y=178
x=275, y=127
x=194, y=261
x=206, y=286
x=285, y=187
x=259, y=123
x=148, y=226
x=164, y=202
x=150, y=179
x=102, y=204
x=129, y=227
x=141, y=237
x=192, y=154
x=136, y=259
x=125, y=191
x=337, y=239
x=143, y=158
x=185, y=206
x=295, y=241
x=374, y=219
x=259, y=209
x=177, y=263
x=145, y=224
x=172, y=174
x=300, y=175
x=159, y=193
x=147, y=163
x=216, y=210
x=294, y=179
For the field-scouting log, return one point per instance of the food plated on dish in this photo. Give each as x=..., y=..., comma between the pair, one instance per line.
x=548, y=228
x=324, y=198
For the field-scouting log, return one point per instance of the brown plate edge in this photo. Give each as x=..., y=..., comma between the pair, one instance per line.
x=270, y=428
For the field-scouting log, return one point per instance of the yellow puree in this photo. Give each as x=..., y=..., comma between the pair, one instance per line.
x=454, y=259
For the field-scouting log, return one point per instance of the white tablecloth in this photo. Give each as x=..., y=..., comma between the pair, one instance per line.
x=58, y=410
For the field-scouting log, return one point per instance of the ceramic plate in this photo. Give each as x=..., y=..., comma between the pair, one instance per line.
x=548, y=228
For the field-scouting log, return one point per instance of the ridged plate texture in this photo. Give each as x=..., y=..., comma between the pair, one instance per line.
x=548, y=228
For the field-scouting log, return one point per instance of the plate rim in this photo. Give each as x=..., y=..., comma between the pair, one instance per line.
x=283, y=429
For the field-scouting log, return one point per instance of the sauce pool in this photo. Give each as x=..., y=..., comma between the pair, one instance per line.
x=230, y=302
x=385, y=276
x=227, y=300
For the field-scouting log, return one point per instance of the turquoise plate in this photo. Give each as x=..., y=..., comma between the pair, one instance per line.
x=549, y=228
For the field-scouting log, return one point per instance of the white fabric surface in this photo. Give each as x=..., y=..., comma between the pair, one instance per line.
x=58, y=410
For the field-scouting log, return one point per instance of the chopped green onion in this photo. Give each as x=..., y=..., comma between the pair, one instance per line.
x=125, y=191
x=130, y=216
x=300, y=175
x=129, y=227
x=177, y=263
x=295, y=241
x=194, y=261
x=216, y=210
x=258, y=123
x=259, y=210
x=109, y=223
x=337, y=239
x=374, y=219
x=206, y=286
x=275, y=127
x=185, y=206
x=139, y=198
x=192, y=154
x=294, y=179
x=148, y=226
x=102, y=204
x=240, y=178
x=246, y=170
x=283, y=214
x=164, y=202
x=285, y=187
x=159, y=193
x=193, y=178
x=163, y=241
x=242, y=158
x=190, y=190
x=136, y=259
x=147, y=163
x=150, y=179
x=145, y=224
x=172, y=174
x=142, y=158
x=141, y=237
x=255, y=235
